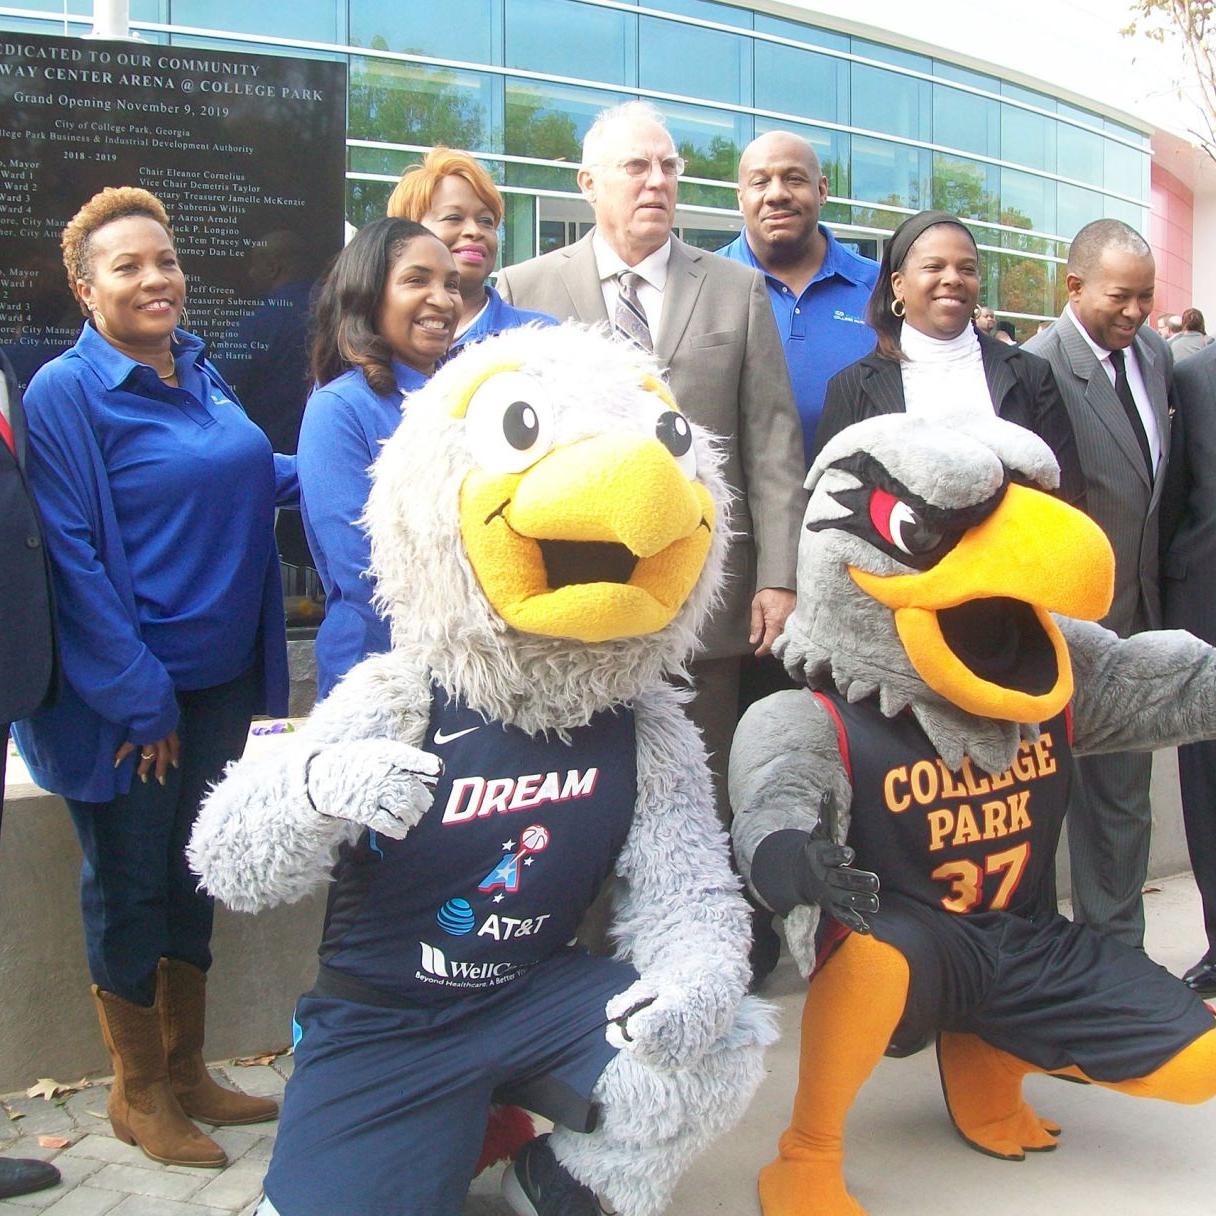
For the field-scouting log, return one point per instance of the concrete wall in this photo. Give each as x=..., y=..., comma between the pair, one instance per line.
x=262, y=963
x=47, y=1024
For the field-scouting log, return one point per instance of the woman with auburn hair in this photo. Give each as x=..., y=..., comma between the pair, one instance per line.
x=452, y=194
x=930, y=358
x=158, y=496
x=385, y=316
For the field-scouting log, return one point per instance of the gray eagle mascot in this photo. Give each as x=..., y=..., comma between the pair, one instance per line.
x=547, y=531
x=902, y=810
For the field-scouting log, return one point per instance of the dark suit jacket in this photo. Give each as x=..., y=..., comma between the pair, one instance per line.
x=719, y=345
x=28, y=665
x=1120, y=497
x=1188, y=585
x=1021, y=386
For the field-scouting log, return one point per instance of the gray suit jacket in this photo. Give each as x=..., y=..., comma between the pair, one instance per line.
x=1119, y=495
x=726, y=367
x=1189, y=539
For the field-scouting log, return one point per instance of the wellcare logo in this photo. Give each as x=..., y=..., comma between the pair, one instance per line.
x=436, y=964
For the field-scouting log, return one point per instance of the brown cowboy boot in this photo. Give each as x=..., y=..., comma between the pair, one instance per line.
x=182, y=998
x=142, y=1107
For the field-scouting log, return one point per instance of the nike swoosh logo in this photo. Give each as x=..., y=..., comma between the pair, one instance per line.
x=441, y=738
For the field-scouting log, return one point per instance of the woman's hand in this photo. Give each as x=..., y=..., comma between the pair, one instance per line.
x=153, y=757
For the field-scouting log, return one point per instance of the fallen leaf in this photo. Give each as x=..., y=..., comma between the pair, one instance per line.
x=53, y=1142
x=14, y=1115
x=46, y=1087
x=97, y=1114
x=1150, y=891
x=265, y=1058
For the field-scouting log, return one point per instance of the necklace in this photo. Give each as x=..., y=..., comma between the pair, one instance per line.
x=169, y=375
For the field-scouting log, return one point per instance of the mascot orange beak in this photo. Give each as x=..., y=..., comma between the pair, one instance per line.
x=977, y=627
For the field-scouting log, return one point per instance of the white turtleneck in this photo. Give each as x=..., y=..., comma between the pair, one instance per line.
x=943, y=376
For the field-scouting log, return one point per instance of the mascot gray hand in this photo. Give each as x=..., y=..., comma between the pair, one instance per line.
x=381, y=784
x=791, y=868
x=671, y=1024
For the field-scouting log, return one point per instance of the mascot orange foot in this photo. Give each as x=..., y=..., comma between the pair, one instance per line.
x=982, y=1086
x=866, y=983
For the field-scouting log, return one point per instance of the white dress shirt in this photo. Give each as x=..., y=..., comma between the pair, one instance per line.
x=652, y=270
x=1144, y=405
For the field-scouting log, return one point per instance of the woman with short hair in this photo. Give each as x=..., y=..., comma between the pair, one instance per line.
x=158, y=496
x=930, y=359
x=452, y=194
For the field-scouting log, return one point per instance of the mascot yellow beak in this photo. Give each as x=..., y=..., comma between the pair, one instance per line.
x=602, y=538
x=976, y=626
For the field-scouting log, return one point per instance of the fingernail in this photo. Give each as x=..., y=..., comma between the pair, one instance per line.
x=161, y=780
x=144, y=778
x=117, y=761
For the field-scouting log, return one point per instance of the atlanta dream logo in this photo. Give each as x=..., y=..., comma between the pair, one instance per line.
x=505, y=875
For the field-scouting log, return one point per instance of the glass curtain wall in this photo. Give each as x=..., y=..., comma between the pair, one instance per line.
x=518, y=82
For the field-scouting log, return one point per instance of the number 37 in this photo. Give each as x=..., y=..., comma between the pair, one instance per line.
x=966, y=879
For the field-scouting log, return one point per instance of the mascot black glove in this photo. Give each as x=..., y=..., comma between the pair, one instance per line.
x=791, y=868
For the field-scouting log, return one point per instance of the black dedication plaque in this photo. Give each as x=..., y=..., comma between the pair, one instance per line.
x=247, y=153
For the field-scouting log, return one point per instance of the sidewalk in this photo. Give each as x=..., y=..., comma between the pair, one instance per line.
x=1118, y=1156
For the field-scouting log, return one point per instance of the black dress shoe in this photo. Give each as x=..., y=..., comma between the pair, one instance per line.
x=20, y=1176
x=1202, y=977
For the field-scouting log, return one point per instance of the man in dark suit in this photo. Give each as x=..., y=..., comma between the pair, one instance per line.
x=709, y=323
x=1114, y=375
x=1188, y=589
x=27, y=647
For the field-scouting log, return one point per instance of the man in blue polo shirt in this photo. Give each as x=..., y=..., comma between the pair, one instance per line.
x=818, y=288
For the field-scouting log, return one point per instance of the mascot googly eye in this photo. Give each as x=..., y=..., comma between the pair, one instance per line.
x=509, y=422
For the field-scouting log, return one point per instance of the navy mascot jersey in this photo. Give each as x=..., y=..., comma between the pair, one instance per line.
x=964, y=841
x=497, y=875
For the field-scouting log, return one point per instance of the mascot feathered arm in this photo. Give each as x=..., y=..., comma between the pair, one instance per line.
x=680, y=917
x=268, y=831
x=791, y=796
x=1151, y=690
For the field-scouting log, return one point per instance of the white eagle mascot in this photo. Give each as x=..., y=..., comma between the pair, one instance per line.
x=547, y=531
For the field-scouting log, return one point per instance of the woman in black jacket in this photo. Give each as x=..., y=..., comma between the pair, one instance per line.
x=930, y=359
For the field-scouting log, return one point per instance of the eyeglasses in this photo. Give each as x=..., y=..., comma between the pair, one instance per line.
x=639, y=166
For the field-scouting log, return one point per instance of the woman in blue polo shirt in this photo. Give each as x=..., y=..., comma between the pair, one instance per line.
x=385, y=316
x=451, y=193
x=158, y=496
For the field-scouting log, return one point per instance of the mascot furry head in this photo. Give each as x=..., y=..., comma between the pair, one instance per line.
x=548, y=529
x=932, y=559
x=914, y=792
x=547, y=534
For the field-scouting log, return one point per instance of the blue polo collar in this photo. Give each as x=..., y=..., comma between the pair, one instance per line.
x=114, y=368
x=836, y=260
x=408, y=379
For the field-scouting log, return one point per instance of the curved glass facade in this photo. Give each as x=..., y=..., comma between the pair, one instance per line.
x=518, y=82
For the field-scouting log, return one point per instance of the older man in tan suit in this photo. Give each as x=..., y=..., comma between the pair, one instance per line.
x=709, y=323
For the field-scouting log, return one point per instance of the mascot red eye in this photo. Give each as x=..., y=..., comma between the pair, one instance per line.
x=899, y=524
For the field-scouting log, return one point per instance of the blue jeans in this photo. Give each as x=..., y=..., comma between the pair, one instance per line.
x=138, y=898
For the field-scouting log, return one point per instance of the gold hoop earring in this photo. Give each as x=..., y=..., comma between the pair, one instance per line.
x=183, y=321
x=897, y=308
x=975, y=313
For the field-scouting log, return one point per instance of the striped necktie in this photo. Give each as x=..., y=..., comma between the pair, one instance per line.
x=630, y=319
